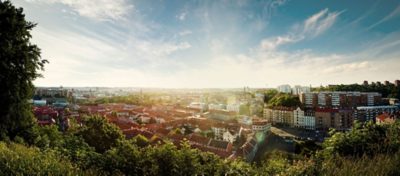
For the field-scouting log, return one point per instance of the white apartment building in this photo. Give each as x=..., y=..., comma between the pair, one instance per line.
x=303, y=120
x=298, y=117
x=297, y=90
x=216, y=107
x=261, y=126
x=284, y=88
x=198, y=105
x=233, y=107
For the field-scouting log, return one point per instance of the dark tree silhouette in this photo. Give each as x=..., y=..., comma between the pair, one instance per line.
x=20, y=62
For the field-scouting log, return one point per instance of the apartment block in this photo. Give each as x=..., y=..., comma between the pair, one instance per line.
x=368, y=113
x=339, y=99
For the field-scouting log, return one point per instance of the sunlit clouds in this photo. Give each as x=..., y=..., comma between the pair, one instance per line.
x=214, y=43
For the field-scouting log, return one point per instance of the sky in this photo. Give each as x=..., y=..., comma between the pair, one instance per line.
x=215, y=44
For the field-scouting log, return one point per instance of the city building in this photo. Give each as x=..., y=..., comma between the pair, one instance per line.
x=340, y=99
x=298, y=117
x=279, y=115
x=284, y=88
x=385, y=118
x=234, y=107
x=261, y=126
x=368, y=113
x=216, y=107
x=339, y=119
x=297, y=90
x=309, y=121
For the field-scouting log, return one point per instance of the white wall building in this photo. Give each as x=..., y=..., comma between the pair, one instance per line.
x=298, y=117
x=284, y=88
x=233, y=107
x=216, y=107
x=261, y=126
x=229, y=137
x=297, y=90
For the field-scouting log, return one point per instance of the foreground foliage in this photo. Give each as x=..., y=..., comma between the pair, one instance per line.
x=57, y=151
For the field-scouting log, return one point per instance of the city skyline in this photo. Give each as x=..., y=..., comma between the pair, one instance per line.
x=215, y=44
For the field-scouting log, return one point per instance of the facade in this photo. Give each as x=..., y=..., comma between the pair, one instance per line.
x=216, y=107
x=229, y=137
x=339, y=119
x=298, y=117
x=197, y=105
x=297, y=90
x=309, y=121
x=279, y=115
x=284, y=88
x=340, y=99
x=368, y=113
x=302, y=119
x=235, y=107
x=261, y=126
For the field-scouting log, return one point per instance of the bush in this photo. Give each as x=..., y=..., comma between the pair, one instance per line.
x=17, y=159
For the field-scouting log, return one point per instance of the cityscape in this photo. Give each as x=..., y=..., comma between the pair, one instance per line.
x=230, y=123
x=224, y=87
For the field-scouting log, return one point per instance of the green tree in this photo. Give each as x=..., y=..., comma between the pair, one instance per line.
x=19, y=65
x=100, y=134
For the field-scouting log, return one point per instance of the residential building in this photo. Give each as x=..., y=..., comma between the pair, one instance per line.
x=197, y=105
x=368, y=113
x=309, y=120
x=284, y=88
x=339, y=119
x=235, y=107
x=279, y=115
x=261, y=126
x=297, y=90
x=298, y=117
x=340, y=99
x=216, y=107
x=385, y=118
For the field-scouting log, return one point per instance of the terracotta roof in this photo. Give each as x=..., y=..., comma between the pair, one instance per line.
x=219, y=144
x=199, y=139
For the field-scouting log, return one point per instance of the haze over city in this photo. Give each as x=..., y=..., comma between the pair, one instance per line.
x=198, y=44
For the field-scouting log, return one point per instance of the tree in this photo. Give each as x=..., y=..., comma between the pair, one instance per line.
x=100, y=134
x=19, y=65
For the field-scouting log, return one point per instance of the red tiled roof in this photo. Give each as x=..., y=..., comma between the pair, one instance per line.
x=199, y=139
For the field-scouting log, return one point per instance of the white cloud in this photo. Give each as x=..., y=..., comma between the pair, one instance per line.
x=319, y=22
x=393, y=14
x=311, y=27
x=101, y=10
x=275, y=42
x=185, y=32
x=182, y=16
x=355, y=66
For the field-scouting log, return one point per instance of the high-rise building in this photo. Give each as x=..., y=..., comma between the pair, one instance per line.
x=284, y=88
x=297, y=90
x=340, y=99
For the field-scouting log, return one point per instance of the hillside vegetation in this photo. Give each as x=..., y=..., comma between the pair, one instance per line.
x=99, y=148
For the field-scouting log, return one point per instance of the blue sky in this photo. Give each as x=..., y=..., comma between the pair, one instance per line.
x=228, y=43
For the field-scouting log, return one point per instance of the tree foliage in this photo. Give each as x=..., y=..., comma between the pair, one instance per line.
x=283, y=99
x=100, y=134
x=19, y=64
x=390, y=90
